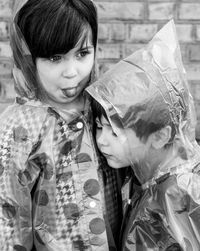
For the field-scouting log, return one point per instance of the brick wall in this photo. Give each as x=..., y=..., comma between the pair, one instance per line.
x=6, y=81
x=124, y=26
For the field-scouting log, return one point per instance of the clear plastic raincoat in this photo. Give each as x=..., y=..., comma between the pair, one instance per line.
x=162, y=213
x=54, y=194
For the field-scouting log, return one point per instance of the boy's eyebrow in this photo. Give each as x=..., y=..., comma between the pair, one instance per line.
x=97, y=120
x=106, y=123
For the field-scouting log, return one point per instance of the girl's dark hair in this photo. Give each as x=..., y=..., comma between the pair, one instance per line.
x=55, y=26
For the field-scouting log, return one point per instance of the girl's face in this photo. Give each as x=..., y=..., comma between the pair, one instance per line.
x=64, y=76
x=122, y=147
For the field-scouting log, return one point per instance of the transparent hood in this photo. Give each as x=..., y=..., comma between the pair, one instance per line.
x=152, y=78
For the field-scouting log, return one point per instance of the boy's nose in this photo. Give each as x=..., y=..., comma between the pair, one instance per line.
x=101, y=139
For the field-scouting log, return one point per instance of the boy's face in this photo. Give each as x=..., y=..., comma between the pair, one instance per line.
x=64, y=76
x=121, y=148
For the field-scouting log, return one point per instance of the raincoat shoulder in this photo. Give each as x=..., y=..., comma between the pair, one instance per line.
x=164, y=215
x=21, y=125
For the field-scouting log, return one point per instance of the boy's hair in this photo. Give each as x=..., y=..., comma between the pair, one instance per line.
x=55, y=26
x=150, y=117
x=144, y=119
x=98, y=111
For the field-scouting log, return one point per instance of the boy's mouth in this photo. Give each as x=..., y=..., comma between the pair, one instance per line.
x=106, y=155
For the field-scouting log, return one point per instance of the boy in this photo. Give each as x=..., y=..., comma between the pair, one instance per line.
x=146, y=120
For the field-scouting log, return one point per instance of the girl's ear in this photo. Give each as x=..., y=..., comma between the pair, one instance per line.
x=161, y=137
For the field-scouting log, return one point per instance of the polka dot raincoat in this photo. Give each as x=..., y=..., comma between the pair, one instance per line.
x=54, y=193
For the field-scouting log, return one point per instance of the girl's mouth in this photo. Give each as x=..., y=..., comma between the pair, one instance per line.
x=70, y=92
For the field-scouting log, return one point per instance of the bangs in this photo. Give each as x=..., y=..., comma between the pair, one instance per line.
x=61, y=37
x=61, y=27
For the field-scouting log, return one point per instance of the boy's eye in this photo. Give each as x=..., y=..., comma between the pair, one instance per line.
x=114, y=134
x=98, y=125
x=55, y=58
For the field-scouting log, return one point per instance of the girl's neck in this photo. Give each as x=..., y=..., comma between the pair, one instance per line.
x=75, y=106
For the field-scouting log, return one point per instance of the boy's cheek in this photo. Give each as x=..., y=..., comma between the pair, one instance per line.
x=98, y=134
x=122, y=136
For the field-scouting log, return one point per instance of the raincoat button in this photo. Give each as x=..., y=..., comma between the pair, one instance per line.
x=92, y=204
x=79, y=125
x=97, y=226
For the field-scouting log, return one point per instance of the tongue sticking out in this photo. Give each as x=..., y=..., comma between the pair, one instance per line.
x=69, y=92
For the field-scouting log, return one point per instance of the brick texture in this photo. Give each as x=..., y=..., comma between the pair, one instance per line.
x=124, y=26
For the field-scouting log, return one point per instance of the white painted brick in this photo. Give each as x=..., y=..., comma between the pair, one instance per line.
x=161, y=11
x=142, y=32
x=5, y=50
x=5, y=8
x=189, y=11
x=120, y=10
x=109, y=51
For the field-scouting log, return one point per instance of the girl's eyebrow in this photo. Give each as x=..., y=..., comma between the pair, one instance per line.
x=86, y=48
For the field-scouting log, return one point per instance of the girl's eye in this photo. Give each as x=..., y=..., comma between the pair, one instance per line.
x=82, y=53
x=55, y=58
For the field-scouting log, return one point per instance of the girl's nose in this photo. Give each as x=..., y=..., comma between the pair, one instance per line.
x=69, y=69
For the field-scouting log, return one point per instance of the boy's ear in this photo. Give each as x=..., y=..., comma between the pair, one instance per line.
x=161, y=137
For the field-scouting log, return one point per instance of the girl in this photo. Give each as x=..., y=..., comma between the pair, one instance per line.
x=145, y=119
x=53, y=193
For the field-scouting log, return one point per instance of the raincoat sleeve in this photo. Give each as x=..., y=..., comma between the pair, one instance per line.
x=18, y=137
x=183, y=206
x=165, y=216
